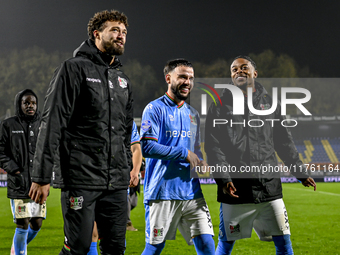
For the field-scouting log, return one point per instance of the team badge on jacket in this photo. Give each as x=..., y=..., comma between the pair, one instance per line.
x=122, y=82
x=76, y=203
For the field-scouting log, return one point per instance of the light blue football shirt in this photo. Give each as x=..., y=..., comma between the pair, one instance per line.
x=135, y=134
x=176, y=128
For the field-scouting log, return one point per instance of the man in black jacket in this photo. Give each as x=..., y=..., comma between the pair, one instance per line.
x=249, y=185
x=88, y=118
x=18, y=136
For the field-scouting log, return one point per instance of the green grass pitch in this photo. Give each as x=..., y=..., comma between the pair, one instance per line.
x=314, y=220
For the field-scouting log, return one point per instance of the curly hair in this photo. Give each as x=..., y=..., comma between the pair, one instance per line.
x=97, y=22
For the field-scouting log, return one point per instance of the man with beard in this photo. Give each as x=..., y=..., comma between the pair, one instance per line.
x=251, y=199
x=88, y=119
x=18, y=136
x=170, y=142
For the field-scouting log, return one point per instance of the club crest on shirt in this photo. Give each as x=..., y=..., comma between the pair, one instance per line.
x=122, y=82
x=76, y=203
x=146, y=125
x=193, y=119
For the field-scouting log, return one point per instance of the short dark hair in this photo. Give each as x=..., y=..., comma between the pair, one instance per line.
x=247, y=58
x=172, y=64
x=98, y=20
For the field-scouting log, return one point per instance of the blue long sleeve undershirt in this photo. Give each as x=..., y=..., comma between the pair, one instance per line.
x=152, y=149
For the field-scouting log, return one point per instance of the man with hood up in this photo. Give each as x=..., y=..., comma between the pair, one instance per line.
x=88, y=118
x=18, y=136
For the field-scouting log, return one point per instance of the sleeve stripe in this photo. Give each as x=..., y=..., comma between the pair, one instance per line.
x=135, y=142
x=149, y=138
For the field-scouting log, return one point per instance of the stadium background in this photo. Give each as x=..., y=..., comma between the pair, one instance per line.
x=313, y=216
x=286, y=39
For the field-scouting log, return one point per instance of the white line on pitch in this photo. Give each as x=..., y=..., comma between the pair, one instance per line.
x=323, y=192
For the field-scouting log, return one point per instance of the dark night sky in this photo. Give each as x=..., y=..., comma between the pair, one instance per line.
x=197, y=30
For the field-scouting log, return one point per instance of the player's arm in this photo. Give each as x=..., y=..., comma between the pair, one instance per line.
x=129, y=125
x=137, y=163
x=58, y=108
x=150, y=129
x=214, y=140
x=6, y=162
x=197, y=145
x=152, y=149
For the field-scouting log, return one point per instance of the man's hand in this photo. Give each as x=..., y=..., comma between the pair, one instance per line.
x=230, y=189
x=39, y=193
x=309, y=182
x=193, y=159
x=204, y=167
x=134, y=179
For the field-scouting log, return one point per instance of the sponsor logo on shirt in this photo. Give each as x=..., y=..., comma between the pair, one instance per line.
x=110, y=85
x=179, y=133
x=94, y=80
x=18, y=131
x=171, y=117
x=122, y=82
x=76, y=203
x=146, y=125
x=149, y=106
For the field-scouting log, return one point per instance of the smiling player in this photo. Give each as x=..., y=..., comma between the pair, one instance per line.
x=171, y=145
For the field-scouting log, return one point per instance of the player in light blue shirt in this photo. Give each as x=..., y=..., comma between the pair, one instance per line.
x=170, y=141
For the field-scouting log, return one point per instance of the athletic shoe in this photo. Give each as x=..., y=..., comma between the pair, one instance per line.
x=130, y=227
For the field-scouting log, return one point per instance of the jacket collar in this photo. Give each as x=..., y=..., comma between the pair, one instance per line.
x=89, y=50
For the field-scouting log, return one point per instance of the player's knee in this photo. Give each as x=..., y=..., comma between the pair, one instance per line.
x=283, y=245
x=153, y=249
x=36, y=223
x=224, y=247
x=22, y=223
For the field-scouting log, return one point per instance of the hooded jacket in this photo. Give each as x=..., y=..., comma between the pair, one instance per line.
x=246, y=149
x=18, y=136
x=88, y=118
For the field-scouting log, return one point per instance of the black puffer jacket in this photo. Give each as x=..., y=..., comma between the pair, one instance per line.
x=241, y=146
x=88, y=117
x=18, y=136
